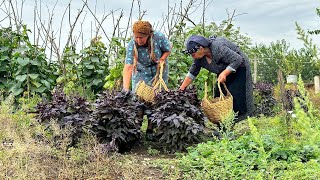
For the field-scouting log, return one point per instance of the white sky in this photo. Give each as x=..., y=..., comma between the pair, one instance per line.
x=262, y=20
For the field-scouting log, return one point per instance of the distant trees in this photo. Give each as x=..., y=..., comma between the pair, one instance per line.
x=278, y=55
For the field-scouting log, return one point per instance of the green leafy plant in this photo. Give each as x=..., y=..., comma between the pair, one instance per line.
x=152, y=152
x=114, y=79
x=9, y=41
x=28, y=67
x=269, y=59
x=93, y=65
x=68, y=67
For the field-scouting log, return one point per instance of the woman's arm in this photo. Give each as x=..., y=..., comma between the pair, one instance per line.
x=165, y=45
x=223, y=76
x=165, y=55
x=186, y=82
x=193, y=72
x=127, y=73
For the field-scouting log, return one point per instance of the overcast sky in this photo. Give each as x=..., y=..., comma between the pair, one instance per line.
x=262, y=20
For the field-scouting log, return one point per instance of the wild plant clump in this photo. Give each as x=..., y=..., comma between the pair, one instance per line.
x=115, y=120
x=264, y=100
x=67, y=112
x=178, y=118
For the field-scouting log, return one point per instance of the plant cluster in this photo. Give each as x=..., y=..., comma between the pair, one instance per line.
x=118, y=49
x=24, y=67
x=289, y=95
x=115, y=120
x=93, y=65
x=67, y=112
x=264, y=100
x=178, y=119
x=266, y=152
x=272, y=149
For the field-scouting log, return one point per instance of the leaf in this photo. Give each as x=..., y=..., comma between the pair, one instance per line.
x=3, y=68
x=41, y=89
x=46, y=83
x=4, y=48
x=2, y=58
x=90, y=66
x=87, y=72
x=100, y=71
x=21, y=49
x=33, y=76
x=176, y=123
x=170, y=117
x=101, y=127
x=96, y=82
x=37, y=84
x=23, y=61
x=95, y=59
x=3, y=80
x=21, y=78
x=35, y=62
x=16, y=90
x=107, y=116
x=194, y=131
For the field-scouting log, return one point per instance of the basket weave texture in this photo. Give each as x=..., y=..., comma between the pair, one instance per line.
x=147, y=93
x=217, y=109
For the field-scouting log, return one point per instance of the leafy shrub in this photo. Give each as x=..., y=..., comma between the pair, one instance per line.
x=179, y=121
x=93, y=65
x=279, y=147
x=264, y=100
x=289, y=96
x=24, y=67
x=266, y=152
x=73, y=111
x=115, y=120
x=8, y=42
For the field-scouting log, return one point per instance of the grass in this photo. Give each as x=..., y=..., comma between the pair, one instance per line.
x=27, y=151
x=27, y=158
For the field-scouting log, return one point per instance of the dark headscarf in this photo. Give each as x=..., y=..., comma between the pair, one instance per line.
x=194, y=42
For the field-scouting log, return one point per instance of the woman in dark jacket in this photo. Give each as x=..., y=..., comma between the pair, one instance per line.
x=221, y=56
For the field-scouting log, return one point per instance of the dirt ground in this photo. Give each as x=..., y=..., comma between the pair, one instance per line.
x=147, y=153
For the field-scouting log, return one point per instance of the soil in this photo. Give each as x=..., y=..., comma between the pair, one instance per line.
x=140, y=152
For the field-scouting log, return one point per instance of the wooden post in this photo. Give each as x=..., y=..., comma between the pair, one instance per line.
x=317, y=84
x=255, y=71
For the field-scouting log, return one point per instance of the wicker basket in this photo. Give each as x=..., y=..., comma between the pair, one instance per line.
x=146, y=92
x=218, y=108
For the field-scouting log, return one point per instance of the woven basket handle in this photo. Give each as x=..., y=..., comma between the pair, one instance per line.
x=205, y=90
x=222, y=96
x=160, y=83
x=225, y=87
x=221, y=93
